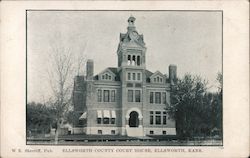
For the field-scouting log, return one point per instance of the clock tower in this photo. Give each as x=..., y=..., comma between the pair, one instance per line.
x=131, y=66
x=131, y=49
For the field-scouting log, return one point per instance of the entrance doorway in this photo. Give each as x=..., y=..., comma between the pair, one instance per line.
x=133, y=119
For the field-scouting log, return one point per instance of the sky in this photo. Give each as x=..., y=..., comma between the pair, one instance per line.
x=191, y=40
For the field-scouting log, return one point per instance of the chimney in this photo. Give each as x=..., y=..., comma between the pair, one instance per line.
x=90, y=69
x=172, y=74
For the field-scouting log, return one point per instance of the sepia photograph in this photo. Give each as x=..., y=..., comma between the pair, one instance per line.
x=124, y=77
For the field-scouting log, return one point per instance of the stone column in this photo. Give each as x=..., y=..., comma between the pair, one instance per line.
x=140, y=121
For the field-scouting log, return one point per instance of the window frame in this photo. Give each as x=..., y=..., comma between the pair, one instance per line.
x=106, y=97
x=106, y=120
x=151, y=97
x=99, y=95
x=151, y=117
x=139, y=76
x=130, y=97
x=112, y=121
x=99, y=120
x=158, y=118
x=137, y=96
x=99, y=131
x=157, y=98
x=134, y=76
x=164, y=98
x=113, y=96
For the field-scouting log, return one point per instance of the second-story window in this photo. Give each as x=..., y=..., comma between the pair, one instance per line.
x=164, y=97
x=106, y=96
x=138, y=76
x=130, y=95
x=129, y=76
x=137, y=96
x=151, y=100
x=113, y=96
x=133, y=76
x=158, y=97
x=99, y=95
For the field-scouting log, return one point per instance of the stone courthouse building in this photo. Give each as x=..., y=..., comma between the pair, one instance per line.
x=127, y=99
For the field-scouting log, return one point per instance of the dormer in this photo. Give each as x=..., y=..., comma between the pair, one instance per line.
x=106, y=75
x=157, y=78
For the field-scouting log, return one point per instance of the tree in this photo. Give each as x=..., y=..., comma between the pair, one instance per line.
x=63, y=66
x=217, y=105
x=197, y=112
x=39, y=118
x=187, y=106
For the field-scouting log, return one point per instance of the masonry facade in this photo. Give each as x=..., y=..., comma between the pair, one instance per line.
x=124, y=100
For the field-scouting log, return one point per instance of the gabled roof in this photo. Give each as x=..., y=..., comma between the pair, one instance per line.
x=113, y=70
x=157, y=73
x=148, y=73
x=107, y=70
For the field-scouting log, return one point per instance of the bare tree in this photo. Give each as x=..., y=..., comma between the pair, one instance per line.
x=64, y=64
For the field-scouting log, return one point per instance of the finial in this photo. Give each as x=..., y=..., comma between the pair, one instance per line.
x=131, y=20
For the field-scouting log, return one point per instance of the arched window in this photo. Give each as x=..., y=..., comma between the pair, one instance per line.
x=133, y=60
x=138, y=61
x=129, y=60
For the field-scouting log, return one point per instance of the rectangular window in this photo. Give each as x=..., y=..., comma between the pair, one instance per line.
x=157, y=97
x=158, y=112
x=129, y=84
x=99, y=131
x=130, y=95
x=113, y=121
x=133, y=76
x=138, y=76
x=164, y=132
x=129, y=76
x=151, y=97
x=137, y=96
x=112, y=131
x=157, y=117
x=164, y=97
x=164, y=121
x=113, y=96
x=151, y=132
x=138, y=85
x=157, y=120
x=99, y=120
x=106, y=96
x=105, y=120
x=151, y=119
x=99, y=95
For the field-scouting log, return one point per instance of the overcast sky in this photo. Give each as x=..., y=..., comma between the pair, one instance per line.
x=190, y=40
